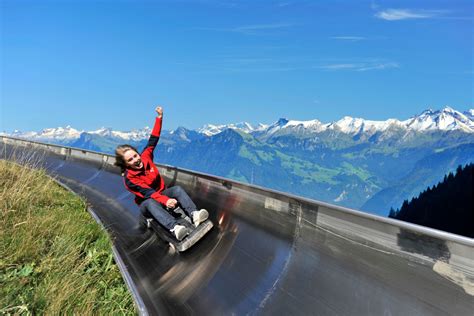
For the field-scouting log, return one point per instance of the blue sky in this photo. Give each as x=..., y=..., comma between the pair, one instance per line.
x=90, y=64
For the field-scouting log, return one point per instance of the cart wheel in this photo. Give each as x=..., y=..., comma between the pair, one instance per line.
x=172, y=249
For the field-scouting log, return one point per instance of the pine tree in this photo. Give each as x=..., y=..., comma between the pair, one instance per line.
x=447, y=206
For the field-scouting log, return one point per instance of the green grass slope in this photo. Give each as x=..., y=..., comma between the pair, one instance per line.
x=54, y=258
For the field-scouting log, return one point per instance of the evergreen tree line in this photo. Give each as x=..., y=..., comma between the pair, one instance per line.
x=446, y=206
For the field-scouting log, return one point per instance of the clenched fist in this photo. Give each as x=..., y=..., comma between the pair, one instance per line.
x=171, y=203
x=159, y=111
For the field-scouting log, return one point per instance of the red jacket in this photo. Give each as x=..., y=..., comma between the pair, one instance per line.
x=147, y=183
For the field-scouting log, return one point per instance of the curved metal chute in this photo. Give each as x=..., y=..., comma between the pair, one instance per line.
x=269, y=252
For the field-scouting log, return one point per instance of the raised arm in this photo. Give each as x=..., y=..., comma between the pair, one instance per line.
x=155, y=133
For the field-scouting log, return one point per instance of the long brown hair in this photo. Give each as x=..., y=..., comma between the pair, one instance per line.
x=119, y=156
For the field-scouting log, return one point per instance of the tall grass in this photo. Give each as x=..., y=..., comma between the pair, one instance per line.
x=54, y=258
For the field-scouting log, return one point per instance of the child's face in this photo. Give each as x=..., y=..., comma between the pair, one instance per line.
x=133, y=159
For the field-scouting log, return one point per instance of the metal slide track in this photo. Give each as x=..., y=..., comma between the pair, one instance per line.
x=269, y=253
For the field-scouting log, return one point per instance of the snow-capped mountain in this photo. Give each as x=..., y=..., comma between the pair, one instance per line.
x=210, y=130
x=469, y=114
x=59, y=134
x=296, y=126
x=429, y=120
x=350, y=125
x=135, y=135
x=67, y=134
x=183, y=134
x=446, y=119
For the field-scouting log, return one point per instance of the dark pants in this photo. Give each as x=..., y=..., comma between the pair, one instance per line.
x=159, y=212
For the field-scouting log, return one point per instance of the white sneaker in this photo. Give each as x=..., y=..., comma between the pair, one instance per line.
x=199, y=217
x=179, y=232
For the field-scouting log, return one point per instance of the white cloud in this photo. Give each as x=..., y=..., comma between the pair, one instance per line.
x=284, y=4
x=361, y=66
x=249, y=29
x=260, y=27
x=349, y=38
x=340, y=66
x=266, y=69
x=403, y=14
x=379, y=66
x=374, y=6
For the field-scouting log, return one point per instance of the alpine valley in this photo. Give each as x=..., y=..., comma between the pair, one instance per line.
x=361, y=164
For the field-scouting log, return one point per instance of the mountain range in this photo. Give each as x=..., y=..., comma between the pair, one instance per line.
x=358, y=163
